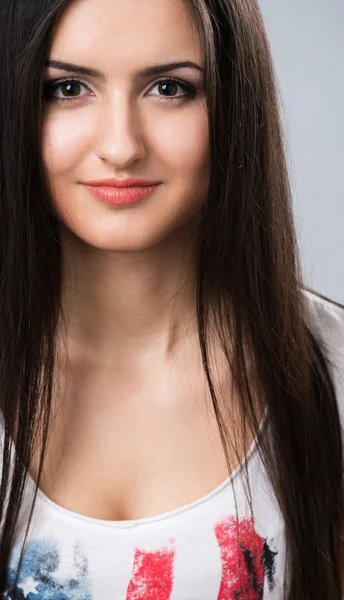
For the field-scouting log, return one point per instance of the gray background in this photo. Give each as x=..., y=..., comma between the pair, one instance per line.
x=307, y=42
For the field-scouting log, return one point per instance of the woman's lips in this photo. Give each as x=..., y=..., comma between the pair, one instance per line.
x=120, y=196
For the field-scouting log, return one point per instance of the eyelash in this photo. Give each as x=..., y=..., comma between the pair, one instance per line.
x=53, y=85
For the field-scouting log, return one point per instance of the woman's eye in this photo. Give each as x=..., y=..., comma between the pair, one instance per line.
x=168, y=89
x=67, y=89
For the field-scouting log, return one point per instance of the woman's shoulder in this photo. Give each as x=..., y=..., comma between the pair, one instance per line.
x=326, y=318
x=326, y=321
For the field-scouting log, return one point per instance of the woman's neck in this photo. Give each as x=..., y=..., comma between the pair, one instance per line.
x=137, y=305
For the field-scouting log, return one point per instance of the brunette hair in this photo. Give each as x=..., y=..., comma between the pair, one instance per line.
x=249, y=279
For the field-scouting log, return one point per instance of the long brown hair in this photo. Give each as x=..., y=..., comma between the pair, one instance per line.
x=249, y=280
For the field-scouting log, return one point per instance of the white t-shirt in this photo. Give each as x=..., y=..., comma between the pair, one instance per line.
x=190, y=553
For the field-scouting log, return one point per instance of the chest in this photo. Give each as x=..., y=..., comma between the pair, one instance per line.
x=129, y=447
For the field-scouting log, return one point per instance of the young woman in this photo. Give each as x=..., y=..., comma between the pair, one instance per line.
x=172, y=396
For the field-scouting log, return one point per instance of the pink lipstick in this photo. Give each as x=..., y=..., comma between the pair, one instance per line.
x=121, y=191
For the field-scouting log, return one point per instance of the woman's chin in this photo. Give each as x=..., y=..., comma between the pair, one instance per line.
x=113, y=240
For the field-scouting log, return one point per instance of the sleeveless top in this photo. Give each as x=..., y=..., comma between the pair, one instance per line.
x=190, y=553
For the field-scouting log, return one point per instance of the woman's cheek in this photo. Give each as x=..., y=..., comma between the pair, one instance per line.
x=65, y=139
x=183, y=143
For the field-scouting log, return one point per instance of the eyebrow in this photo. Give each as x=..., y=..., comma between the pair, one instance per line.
x=140, y=74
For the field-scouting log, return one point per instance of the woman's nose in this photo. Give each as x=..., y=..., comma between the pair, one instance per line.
x=119, y=135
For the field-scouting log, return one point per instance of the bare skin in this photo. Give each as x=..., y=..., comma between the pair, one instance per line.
x=134, y=433
x=129, y=444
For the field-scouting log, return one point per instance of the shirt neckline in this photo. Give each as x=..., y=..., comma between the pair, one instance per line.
x=133, y=523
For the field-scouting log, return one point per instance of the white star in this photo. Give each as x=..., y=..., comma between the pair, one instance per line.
x=29, y=585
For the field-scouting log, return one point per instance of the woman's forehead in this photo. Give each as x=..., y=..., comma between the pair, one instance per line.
x=127, y=34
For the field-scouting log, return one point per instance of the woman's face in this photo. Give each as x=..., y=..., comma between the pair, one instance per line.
x=122, y=124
